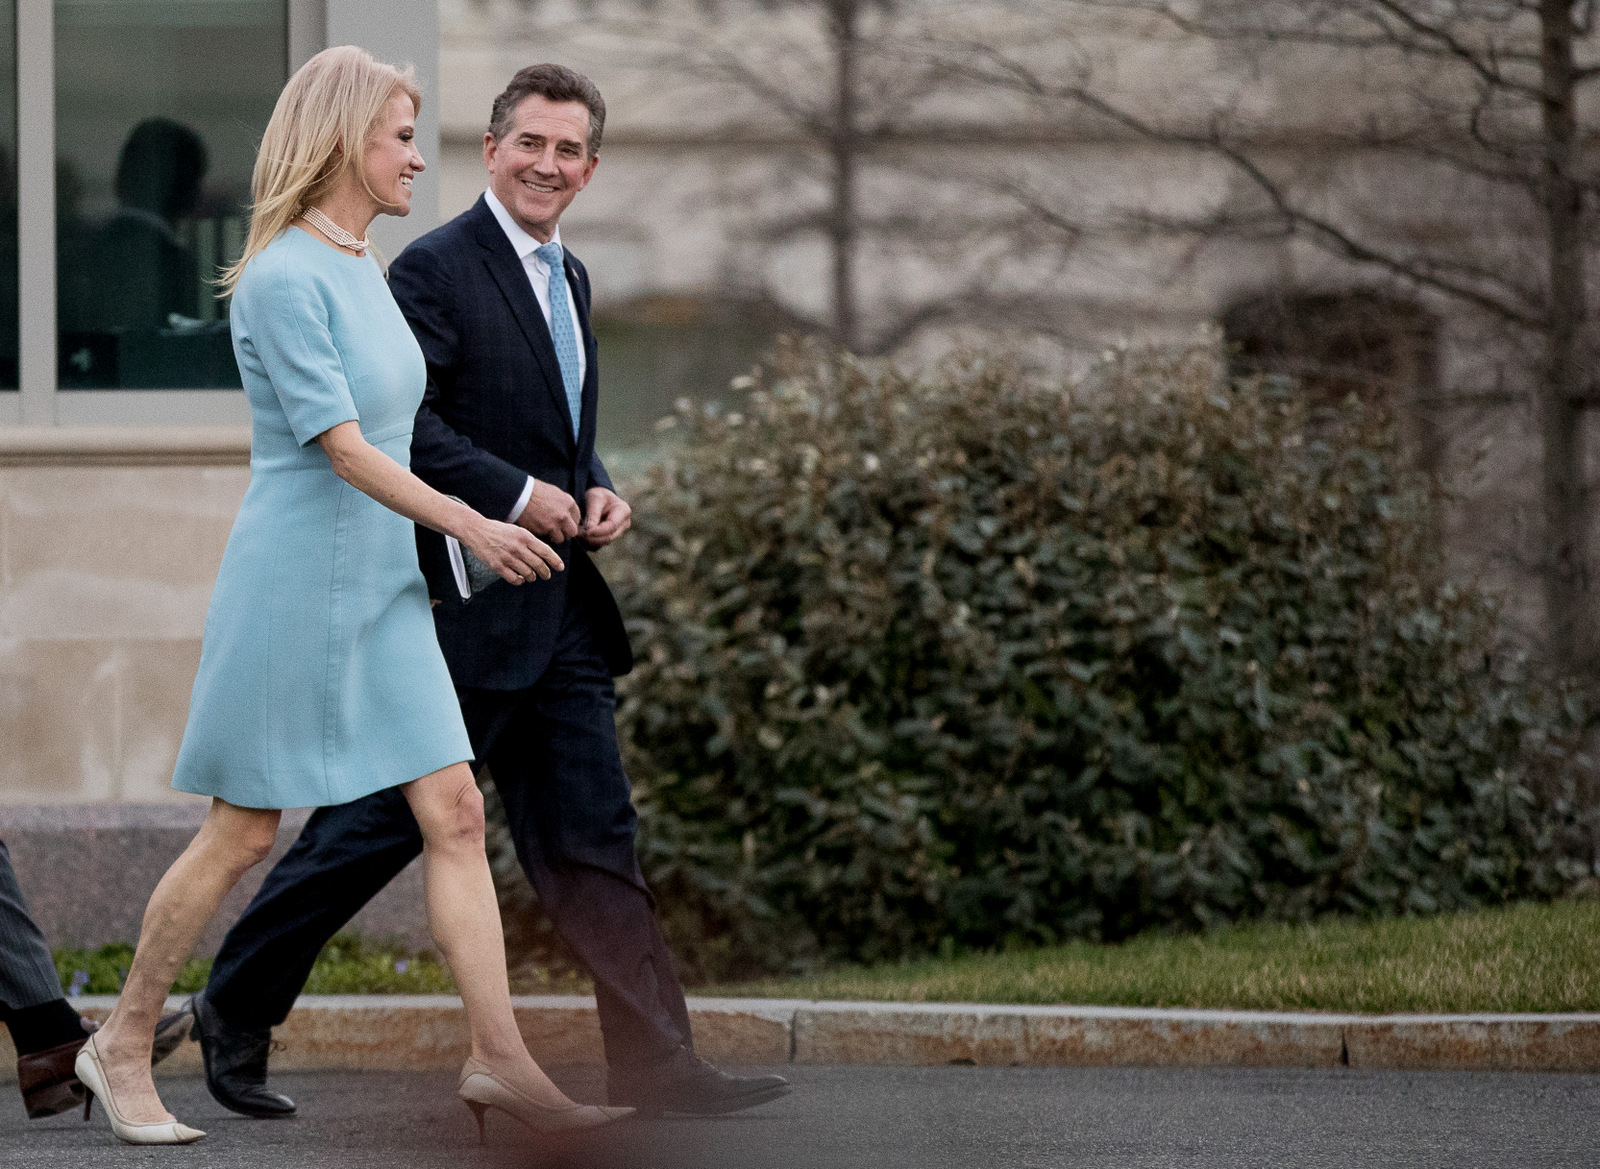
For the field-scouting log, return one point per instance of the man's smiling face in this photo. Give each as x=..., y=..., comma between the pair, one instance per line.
x=542, y=163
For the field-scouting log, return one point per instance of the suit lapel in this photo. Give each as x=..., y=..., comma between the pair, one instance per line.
x=588, y=393
x=512, y=278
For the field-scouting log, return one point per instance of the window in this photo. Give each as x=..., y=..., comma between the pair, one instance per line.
x=657, y=349
x=159, y=105
x=1381, y=348
x=1377, y=347
x=8, y=196
x=128, y=131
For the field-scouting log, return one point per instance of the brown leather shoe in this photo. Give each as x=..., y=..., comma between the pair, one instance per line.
x=49, y=1084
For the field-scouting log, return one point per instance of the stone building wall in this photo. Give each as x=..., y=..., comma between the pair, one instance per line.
x=105, y=573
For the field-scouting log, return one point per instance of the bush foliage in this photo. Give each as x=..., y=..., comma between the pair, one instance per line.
x=968, y=661
x=103, y=970
x=348, y=964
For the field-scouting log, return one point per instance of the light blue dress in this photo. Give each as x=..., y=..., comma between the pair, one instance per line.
x=321, y=679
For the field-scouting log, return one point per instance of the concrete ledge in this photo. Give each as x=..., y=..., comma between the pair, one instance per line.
x=87, y=871
x=1020, y=1036
x=124, y=446
x=429, y=1032
x=1509, y=1043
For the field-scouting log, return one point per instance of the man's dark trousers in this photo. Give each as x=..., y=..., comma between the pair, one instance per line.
x=552, y=750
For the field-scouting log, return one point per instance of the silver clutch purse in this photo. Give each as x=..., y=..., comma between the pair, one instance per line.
x=472, y=575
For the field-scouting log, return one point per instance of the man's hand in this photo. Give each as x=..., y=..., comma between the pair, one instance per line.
x=608, y=516
x=551, y=513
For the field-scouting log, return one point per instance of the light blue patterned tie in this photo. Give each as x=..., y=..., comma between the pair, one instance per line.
x=562, y=331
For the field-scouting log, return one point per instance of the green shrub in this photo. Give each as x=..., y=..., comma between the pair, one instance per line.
x=352, y=963
x=966, y=661
x=349, y=964
x=103, y=970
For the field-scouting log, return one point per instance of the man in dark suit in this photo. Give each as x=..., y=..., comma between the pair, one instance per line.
x=508, y=424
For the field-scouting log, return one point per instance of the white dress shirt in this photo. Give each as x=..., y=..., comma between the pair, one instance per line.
x=539, y=277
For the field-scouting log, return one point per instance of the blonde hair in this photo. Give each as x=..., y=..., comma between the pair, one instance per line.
x=332, y=101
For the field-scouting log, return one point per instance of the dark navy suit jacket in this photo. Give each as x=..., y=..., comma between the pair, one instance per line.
x=494, y=412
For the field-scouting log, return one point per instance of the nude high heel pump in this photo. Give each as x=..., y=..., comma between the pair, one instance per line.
x=93, y=1074
x=481, y=1090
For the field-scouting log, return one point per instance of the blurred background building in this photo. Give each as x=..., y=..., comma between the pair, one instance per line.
x=1309, y=190
x=1318, y=191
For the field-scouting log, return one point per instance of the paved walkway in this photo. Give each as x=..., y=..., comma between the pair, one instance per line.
x=900, y=1118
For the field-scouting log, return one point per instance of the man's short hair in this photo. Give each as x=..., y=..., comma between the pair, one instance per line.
x=553, y=83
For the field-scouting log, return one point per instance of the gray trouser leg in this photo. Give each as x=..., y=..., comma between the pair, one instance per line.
x=27, y=973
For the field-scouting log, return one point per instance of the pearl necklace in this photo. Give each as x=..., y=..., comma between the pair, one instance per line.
x=333, y=231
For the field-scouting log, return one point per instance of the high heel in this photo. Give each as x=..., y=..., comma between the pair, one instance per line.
x=477, y=1111
x=163, y=1132
x=480, y=1089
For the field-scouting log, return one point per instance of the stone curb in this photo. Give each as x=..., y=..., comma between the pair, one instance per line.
x=418, y=1032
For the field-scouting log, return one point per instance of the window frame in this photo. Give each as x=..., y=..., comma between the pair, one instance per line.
x=39, y=401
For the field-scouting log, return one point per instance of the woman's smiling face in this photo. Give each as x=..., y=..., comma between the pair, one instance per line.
x=391, y=157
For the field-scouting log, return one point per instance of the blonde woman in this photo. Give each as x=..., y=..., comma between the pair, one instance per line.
x=320, y=678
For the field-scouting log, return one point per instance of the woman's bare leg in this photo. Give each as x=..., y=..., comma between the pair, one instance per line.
x=465, y=920
x=229, y=843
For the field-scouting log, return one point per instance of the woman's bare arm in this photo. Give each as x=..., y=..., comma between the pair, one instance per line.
x=516, y=554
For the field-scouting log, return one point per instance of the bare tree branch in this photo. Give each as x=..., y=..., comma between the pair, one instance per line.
x=1317, y=229
x=1402, y=31
x=723, y=65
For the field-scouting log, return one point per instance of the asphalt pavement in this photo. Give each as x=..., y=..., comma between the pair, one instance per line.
x=893, y=1118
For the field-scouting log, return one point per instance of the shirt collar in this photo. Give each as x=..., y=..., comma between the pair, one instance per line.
x=521, y=241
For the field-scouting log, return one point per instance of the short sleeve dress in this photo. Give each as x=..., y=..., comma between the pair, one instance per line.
x=321, y=679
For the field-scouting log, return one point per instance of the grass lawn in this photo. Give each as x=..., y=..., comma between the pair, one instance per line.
x=1522, y=958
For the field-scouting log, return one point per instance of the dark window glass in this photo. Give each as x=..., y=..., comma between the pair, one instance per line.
x=1356, y=342
x=159, y=107
x=8, y=196
x=658, y=349
x=1378, y=347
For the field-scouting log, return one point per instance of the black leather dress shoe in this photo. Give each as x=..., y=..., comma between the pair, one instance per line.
x=684, y=1082
x=171, y=1031
x=236, y=1064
